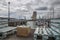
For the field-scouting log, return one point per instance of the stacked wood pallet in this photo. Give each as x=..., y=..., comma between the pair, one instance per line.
x=23, y=31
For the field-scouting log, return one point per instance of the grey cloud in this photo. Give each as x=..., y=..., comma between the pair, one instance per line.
x=22, y=7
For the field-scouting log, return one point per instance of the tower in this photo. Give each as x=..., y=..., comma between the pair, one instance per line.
x=34, y=15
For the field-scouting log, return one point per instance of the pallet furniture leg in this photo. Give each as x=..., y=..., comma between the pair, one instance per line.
x=3, y=36
x=35, y=37
x=57, y=38
x=44, y=37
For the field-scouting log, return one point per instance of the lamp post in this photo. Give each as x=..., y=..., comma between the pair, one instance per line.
x=53, y=12
x=8, y=12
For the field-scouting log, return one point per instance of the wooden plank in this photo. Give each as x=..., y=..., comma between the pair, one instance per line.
x=55, y=29
x=3, y=26
x=40, y=33
x=36, y=30
x=44, y=35
x=3, y=23
x=54, y=25
x=36, y=33
x=54, y=33
x=55, y=20
x=7, y=29
x=44, y=32
x=49, y=33
x=3, y=20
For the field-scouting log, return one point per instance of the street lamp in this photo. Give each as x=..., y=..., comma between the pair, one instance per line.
x=8, y=11
x=53, y=12
x=52, y=8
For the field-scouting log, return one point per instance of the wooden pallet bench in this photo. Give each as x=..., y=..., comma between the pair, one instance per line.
x=5, y=29
x=56, y=35
x=46, y=33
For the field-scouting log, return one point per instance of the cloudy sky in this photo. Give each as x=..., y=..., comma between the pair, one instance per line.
x=19, y=8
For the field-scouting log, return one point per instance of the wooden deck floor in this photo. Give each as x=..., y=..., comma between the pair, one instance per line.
x=15, y=37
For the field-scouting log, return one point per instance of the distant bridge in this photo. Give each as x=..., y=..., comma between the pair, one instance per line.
x=35, y=20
